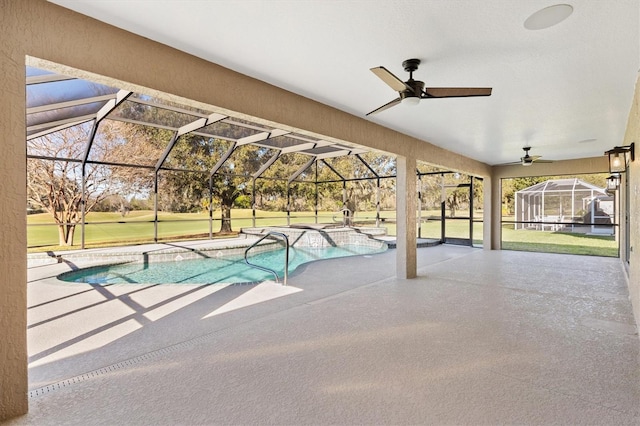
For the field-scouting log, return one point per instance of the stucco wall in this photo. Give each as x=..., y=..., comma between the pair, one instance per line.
x=13, y=244
x=633, y=135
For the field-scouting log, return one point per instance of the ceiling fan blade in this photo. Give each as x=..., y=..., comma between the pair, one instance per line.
x=386, y=106
x=391, y=80
x=456, y=92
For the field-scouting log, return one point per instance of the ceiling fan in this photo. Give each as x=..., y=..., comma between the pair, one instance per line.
x=411, y=91
x=528, y=160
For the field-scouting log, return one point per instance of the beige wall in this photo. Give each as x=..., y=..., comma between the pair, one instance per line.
x=13, y=244
x=633, y=135
x=406, y=206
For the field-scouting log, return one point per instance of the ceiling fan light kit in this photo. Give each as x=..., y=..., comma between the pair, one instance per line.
x=410, y=100
x=410, y=92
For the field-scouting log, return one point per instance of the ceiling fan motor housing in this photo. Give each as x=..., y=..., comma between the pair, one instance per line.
x=417, y=87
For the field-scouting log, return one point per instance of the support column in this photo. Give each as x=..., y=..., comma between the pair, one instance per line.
x=13, y=238
x=406, y=204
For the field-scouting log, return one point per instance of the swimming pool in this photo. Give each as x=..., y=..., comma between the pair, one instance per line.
x=228, y=270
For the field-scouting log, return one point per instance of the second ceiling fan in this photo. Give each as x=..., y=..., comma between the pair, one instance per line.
x=528, y=160
x=411, y=91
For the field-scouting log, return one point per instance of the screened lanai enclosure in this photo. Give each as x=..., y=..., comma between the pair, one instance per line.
x=166, y=169
x=111, y=164
x=568, y=205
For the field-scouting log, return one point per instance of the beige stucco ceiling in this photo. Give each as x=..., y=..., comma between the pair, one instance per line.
x=565, y=90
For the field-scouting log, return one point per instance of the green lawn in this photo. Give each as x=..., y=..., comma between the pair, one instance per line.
x=137, y=227
x=529, y=240
x=559, y=242
x=105, y=229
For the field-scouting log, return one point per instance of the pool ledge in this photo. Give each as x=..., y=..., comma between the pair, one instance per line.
x=148, y=252
x=184, y=250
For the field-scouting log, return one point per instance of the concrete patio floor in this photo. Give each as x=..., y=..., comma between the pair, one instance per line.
x=480, y=337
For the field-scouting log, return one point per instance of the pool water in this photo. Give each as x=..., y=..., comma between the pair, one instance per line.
x=229, y=269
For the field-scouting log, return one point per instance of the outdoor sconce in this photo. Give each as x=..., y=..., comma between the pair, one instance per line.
x=619, y=158
x=613, y=182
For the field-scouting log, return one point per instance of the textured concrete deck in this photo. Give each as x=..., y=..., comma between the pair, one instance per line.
x=480, y=337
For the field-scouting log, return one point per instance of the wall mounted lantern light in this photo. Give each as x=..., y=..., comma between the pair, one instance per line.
x=613, y=182
x=619, y=158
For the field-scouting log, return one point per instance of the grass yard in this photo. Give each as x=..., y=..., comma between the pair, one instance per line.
x=529, y=240
x=559, y=242
x=110, y=229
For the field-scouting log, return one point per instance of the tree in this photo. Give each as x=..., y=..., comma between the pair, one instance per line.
x=56, y=185
x=361, y=185
x=231, y=181
x=189, y=191
x=55, y=172
x=455, y=199
x=114, y=203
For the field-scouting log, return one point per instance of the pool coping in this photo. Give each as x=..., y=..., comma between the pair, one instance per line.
x=177, y=251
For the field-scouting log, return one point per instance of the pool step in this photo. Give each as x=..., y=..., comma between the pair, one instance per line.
x=422, y=242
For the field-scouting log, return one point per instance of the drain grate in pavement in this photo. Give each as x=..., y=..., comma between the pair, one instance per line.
x=117, y=366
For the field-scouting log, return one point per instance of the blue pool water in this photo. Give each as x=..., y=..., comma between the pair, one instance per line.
x=211, y=270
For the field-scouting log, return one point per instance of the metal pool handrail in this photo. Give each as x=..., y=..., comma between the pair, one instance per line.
x=346, y=218
x=286, y=255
